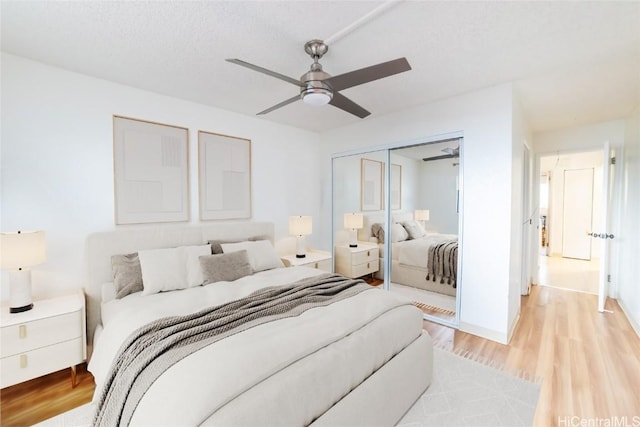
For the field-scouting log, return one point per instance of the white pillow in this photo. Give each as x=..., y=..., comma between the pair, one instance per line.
x=262, y=255
x=398, y=233
x=172, y=268
x=414, y=229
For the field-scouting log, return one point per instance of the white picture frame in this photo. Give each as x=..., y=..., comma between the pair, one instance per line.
x=224, y=175
x=151, y=171
x=371, y=173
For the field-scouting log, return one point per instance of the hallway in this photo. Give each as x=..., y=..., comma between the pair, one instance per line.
x=570, y=274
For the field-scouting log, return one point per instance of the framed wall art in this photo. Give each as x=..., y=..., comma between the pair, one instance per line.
x=151, y=171
x=371, y=173
x=224, y=165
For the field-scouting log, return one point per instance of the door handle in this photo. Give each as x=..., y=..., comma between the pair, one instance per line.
x=601, y=235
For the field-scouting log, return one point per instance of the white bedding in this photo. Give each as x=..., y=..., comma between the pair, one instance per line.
x=415, y=252
x=288, y=372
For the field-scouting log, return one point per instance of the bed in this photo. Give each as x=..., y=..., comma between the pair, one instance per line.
x=427, y=261
x=361, y=359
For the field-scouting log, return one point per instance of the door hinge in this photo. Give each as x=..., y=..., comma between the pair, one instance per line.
x=608, y=278
x=613, y=160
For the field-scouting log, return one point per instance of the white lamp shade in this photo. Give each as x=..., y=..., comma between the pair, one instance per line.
x=300, y=225
x=22, y=249
x=353, y=220
x=421, y=215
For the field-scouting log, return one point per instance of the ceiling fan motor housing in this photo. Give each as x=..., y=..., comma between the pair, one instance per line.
x=312, y=82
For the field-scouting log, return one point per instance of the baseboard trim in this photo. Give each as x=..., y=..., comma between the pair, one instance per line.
x=626, y=311
x=513, y=328
x=489, y=334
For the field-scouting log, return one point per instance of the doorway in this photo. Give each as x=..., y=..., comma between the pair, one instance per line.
x=571, y=200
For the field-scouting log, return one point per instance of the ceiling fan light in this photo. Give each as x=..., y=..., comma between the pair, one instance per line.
x=317, y=97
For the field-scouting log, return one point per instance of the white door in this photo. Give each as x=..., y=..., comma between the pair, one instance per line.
x=603, y=233
x=577, y=213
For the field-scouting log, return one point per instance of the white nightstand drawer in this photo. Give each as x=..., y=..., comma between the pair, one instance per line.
x=24, y=366
x=23, y=337
x=364, y=256
x=322, y=265
x=366, y=268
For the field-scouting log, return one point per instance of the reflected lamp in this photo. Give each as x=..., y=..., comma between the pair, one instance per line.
x=353, y=221
x=421, y=215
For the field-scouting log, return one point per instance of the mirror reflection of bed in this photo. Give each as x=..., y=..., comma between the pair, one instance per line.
x=424, y=213
x=424, y=231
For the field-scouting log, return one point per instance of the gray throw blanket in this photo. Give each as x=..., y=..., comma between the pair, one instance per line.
x=443, y=262
x=154, y=348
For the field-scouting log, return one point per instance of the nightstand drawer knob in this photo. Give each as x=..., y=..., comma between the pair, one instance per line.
x=22, y=331
x=23, y=361
x=368, y=253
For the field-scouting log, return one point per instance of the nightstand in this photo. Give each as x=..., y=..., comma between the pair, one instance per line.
x=357, y=262
x=314, y=259
x=45, y=339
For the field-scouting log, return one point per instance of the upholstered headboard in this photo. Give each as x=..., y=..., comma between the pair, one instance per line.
x=101, y=246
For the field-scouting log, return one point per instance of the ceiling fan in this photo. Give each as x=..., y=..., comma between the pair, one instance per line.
x=451, y=153
x=319, y=88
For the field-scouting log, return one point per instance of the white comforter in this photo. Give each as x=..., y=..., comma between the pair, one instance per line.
x=415, y=252
x=286, y=372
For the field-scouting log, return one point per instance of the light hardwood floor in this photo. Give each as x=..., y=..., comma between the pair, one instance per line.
x=589, y=363
x=41, y=398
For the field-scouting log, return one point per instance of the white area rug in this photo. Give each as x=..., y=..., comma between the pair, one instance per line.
x=467, y=393
x=462, y=393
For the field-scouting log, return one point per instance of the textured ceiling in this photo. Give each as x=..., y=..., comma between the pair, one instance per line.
x=571, y=62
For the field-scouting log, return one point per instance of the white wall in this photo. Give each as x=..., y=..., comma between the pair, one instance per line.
x=485, y=119
x=438, y=183
x=629, y=233
x=57, y=163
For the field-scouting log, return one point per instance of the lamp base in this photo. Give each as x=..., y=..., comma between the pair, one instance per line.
x=20, y=309
x=301, y=255
x=20, y=291
x=352, y=245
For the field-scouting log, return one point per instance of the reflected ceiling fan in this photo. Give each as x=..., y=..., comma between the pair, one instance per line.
x=319, y=88
x=451, y=153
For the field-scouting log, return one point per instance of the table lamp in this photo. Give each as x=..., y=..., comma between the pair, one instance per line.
x=353, y=221
x=20, y=250
x=421, y=215
x=300, y=226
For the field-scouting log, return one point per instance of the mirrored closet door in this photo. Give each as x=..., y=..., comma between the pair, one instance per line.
x=405, y=202
x=425, y=228
x=358, y=215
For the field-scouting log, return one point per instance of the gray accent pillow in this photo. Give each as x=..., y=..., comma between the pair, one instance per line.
x=225, y=267
x=217, y=249
x=127, y=274
x=377, y=230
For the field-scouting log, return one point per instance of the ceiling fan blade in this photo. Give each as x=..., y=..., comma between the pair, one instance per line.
x=444, y=156
x=265, y=71
x=348, y=105
x=280, y=105
x=368, y=74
